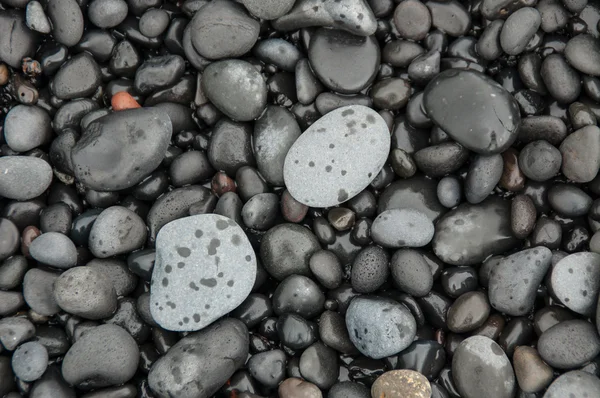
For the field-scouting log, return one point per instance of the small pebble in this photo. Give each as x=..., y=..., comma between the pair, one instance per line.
x=401, y=383
x=29, y=361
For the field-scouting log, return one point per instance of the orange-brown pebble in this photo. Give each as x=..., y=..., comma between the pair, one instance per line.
x=4, y=74
x=28, y=235
x=123, y=100
x=291, y=209
x=298, y=388
x=512, y=177
x=222, y=183
x=401, y=384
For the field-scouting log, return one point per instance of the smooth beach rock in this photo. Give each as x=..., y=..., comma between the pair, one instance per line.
x=24, y=177
x=402, y=228
x=575, y=281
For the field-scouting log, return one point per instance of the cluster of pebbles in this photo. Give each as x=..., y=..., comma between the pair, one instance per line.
x=300, y=198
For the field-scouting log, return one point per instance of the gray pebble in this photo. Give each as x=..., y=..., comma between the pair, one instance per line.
x=569, y=200
x=10, y=302
x=523, y=215
x=569, y=344
x=348, y=389
x=370, y=269
x=412, y=20
x=326, y=268
x=107, y=13
x=52, y=384
x=268, y=368
x=449, y=191
x=104, y=356
x=547, y=233
x=562, y=81
x=16, y=40
x=488, y=46
x=38, y=291
x=268, y=9
x=540, y=160
x=379, y=327
x=67, y=21
x=117, y=230
x=14, y=331
x=154, y=22
x=54, y=249
x=261, y=211
x=124, y=281
x=298, y=294
x=483, y=175
x=411, y=273
x=518, y=30
x=12, y=271
x=583, y=52
x=27, y=127
x=319, y=365
x=158, y=73
x=576, y=383
x=29, y=361
x=85, y=292
x=554, y=15
x=278, y=52
x=36, y=18
x=333, y=332
x=78, y=77
x=10, y=238
x=308, y=87
x=468, y=312
x=24, y=177
x=581, y=154
x=397, y=228
x=575, y=281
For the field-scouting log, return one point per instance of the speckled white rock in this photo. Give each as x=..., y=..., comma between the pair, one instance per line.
x=575, y=281
x=402, y=228
x=24, y=177
x=205, y=267
x=337, y=157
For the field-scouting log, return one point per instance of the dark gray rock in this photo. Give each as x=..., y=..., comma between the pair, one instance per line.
x=16, y=40
x=581, y=156
x=483, y=175
x=278, y=52
x=348, y=389
x=569, y=344
x=370, y=269
x=333, y=332
x=319, y=365
x=13, y=269
x=78, y=77
x=326, y=268
x=577, y=383
x=124, y=281
x=107, y=13
x=569, y=200
x=268, y=368
x=468, y=312
x=562, y=81
x=583, y=53
x=38, y=291
x=154, y=22
x=449, y=191
x=298, y=294
x=67, y=21
x=268, y=9
x=411, y=272
x=54, y=249
x=117, y=230
x=519, y=29
x=24, y=177
x=417, y=192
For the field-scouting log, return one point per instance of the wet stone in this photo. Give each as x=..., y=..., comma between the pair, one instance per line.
x=581, y=154
x=54, y=249
x=78, y=77
x=583, y=53
x=27, y=127
x=117, y=230
x=569, y=344
x=323, y=167
x=67, y=21
x=450, y=100
x=397, y=228
x=205, y=267
x=401, y=383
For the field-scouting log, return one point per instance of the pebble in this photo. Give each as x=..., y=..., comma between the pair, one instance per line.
x=85, y=292
x=468, y=312
x=54, y=249
x=449, y=191
x=397, y=228
x=411, y=272
x=483, y=175
x=36, y=18
x=10, y=302
x=223, y=29
x=211, y=355
x=78, y=77
x=326, y=268
x=569, y=344
x=12, y=270
x=512, y=178
x=297, y=388
x=268, y=368
x=117, y=230
x=575, y=283
x=540, y=161
x=488, y=46
x=17, y=40
x=577, y=383
x=323, y=172
x=268, y=9
x=514, y=281
x=67, y=21
x=533, y=374
x=123, y=280
x=38, y=291
x=119, y=150
x=370, y=269
x=27, y=127
x=401, y=383
x=519, y=29
x=357, y=18
x=348, y=389
x=343, y=62
x=24, y=177
x=583, y=53
x=298, y=294
x=29, y=361
x=105, y=355
x=481, y=369
x=569, y=200
x=424, y=356
x=492, y=129
x=107, y=13
x=319, y=365
x=379, y=327
x=14, y=331
x=470, y=233
x=157, y=73
x=154, y=22
x=412, y=20
x=333, y=332
x=561, y=80
x=581, y=159
x=450, y=17
x=236, y=88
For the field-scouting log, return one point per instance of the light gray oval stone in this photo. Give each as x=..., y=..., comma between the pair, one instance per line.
x=27, y=127
x=337, y=157
x=268, y=9
x=514, y=281
x=205, y=267
x=379, y=327
x=36, y=18
x=575, y=281
x=402, y=228
x=29, y=361
x=67, y=21
x=24, y=177
x=54, y=249
x=577, y=383
x=117, y=230
x=38, y=291
x=14, y=330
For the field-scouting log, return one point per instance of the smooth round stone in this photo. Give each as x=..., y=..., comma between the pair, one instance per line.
x=29, y=361
x=485, y=117
x=278, y=52
x=67, y=21
x=333, y=332
x=481, y=369
x=348, y=389
x=78, y=77
x=483, y=175
x=441, y=159
x=411, y=272
x=38, y=291
x=519, y=29
x=449, y=191
x=154, y=22
x=14, y=331
x=533, y=374
x=397, y=228
x=236, y=88
x=294, y=387
x=16, y=40
x=326, y=267
x=54, y=249
x=223, y=29
x=576, y=383
x=569, y=344
x=24, y=177
x=36, y=18
x=412, y=20
x=468, y=312
x=298, y=294
x=569, y=200
x=117, y=230
x=417, y=192
x=85, y=292
x=104, y=356
x=190, y=167
x=107, y=13
x=562, y=81
x=469, y=234
x=10, y=302
x=379, y=327
x=27, y=127
x=119, y=150
x=159, y=73
x=260, y=211
x=514, y=281
x=583, y=53
x=230, y=146
x=403, y=383
x=450, y=17
x=205, y=267
x=319, y=365
x=575, y=281
x=540, y=160
x=268, y=368
x=581, y=154
x=268, y=9
x=343, y=62
x=324, y=168
x=488, y=45
x=295, y=332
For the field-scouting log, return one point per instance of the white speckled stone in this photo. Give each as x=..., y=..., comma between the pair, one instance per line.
x=575, y=281
x=205, y=267
x=337, y=157
x=402, y=228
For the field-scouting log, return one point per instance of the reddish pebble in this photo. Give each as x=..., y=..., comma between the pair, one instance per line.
x=123, y=100
x=4, y=74
x=222, y=183
x=31, y=67
x=512, y=178
x=28, y=235
x=292, y=210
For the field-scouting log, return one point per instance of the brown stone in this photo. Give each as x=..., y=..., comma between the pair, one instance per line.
x=341, y=218
x=512, y=177
x=222, y=183
x=291, y=209
x=401, y=384
x=4, y=74
x=533, y=374
x=492, y=327
x=28, y=235
x=298, y=388
x=523, y=216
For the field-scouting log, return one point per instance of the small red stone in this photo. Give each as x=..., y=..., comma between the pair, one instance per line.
x=292, y=210
x=222, y=183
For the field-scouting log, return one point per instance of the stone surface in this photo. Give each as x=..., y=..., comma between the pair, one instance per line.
x=205, y=267
x=575, y=281
x=29, y=361
x=16, y=40
x=27, y=127
x=337, y=156
x=576, y=383
x=401, y=383
x=117, y=230
x=581, y=154
x=402, y=228
x=24, y=177
x=54, y=249
x=569, y=344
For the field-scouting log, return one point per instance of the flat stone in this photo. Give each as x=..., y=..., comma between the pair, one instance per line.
x=24, y=177
x=569, y=344
x=402, y=228
x=205, y=267
x=337, y=157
